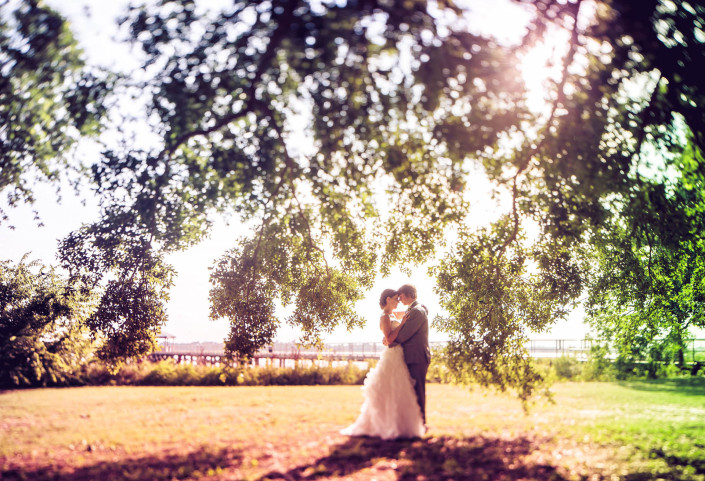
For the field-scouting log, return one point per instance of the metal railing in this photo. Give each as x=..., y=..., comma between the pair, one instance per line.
x=538, y=348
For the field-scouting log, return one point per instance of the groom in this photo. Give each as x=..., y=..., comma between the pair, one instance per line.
x=413, y=337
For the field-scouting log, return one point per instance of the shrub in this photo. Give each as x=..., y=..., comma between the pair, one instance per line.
x=130, y=374
x=438, y=372
x=168, y=373
x=598, y=366
x=566, y=367
x=163, y=373
x=94, y=373
x=669, y=371
x=42, y=338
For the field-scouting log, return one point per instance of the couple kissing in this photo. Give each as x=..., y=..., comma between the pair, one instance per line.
x=394, y=391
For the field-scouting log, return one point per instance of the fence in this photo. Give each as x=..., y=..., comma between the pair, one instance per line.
x=287, y=353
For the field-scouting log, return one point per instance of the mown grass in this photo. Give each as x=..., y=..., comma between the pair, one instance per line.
x=631, y=431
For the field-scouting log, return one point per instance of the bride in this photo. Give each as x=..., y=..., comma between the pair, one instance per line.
x=390, y=409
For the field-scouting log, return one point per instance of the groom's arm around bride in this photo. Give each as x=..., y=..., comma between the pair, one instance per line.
x=416, y=322
x=413, y=335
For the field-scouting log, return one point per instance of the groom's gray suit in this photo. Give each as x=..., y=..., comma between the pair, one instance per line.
x=413, y=337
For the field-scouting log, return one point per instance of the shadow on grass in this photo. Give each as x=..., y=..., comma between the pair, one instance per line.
x=692, y=386
x=204, y=461
x=694, y=462
x=434, y=458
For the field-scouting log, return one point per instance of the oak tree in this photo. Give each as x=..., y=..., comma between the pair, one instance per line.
x=346, y=134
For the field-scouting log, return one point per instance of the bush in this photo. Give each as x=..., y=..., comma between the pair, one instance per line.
x=42, y=338
x=94, y=373
x=438, y=372
x=168, y=373
x=162, y=374
x=309, y=375
x=598, y=366
x=130, y=374
x=566, y=367
x=670, y=371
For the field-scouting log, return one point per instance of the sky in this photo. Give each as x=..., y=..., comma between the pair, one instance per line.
x=94, y=25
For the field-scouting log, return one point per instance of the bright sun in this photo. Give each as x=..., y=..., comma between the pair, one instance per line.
x=542, y=68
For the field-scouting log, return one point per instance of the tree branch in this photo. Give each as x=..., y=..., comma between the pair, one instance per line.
x=643, y=118
x=641, y=136
x=249, y=93
x=529, y=155
x=291, y=166
x=265, y=222
x=284, y=22
x=168, y=152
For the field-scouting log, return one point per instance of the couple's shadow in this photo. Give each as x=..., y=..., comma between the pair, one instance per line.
x=430, y=458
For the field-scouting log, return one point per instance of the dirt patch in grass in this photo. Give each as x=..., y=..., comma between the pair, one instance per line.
x=165, y=465
x=332, y=456
x=439, y=458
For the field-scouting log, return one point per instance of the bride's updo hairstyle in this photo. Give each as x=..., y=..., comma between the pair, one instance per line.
x=385, y=294
x=408, y=290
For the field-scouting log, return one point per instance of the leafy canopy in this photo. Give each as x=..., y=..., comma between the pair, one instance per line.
x=340, y=131
x=49, y=99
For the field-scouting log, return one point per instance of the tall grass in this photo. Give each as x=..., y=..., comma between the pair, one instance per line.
x=598, y=367
x=168, y=373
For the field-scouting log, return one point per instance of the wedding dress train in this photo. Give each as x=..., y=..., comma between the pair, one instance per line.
x=390, y=409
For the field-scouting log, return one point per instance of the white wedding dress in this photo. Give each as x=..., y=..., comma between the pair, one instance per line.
x=390, y=409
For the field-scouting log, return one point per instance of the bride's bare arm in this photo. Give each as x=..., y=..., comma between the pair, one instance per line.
x=392, y=335
x=385, y=324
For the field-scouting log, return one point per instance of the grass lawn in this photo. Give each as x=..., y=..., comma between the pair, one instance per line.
x=631, y=431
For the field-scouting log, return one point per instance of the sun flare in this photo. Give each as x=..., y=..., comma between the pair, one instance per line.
x=542, y=66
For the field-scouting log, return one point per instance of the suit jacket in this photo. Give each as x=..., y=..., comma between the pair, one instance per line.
x=413, y=335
